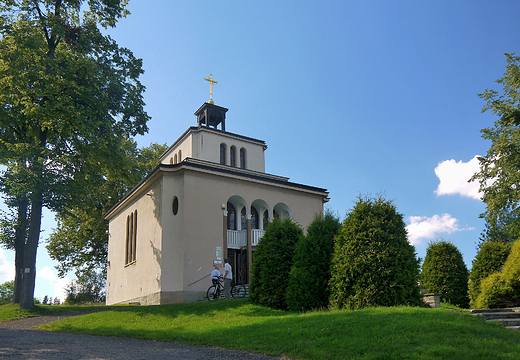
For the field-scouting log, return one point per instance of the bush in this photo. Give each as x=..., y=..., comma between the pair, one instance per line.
x=272, y=264
x=490, y=259
x=502, y=289
x=373, y=263
x=444, y=272
x=310, y=273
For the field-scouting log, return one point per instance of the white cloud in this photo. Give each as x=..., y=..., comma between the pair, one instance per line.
x=454, y=178
x=47, y=277
x=6, y=269
x=423, y=227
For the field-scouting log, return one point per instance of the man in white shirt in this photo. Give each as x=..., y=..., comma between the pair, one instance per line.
x=228, y=276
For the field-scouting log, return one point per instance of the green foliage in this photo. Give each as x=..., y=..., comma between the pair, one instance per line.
x=79, y=241
x=69, y=96
x=499, y=174
x=6, y=292
x=501, y=229
x=502, y=289
x=373, y=263
x=490, y=259
x=444, y=272
x=308, y=282
x=272, y=263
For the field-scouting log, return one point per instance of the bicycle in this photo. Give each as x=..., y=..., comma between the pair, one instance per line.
x=216, y=291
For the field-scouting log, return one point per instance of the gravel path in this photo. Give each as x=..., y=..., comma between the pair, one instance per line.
x=18, y=340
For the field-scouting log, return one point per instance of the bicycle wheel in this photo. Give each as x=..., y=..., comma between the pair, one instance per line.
x=213, y=293
x=238, y=291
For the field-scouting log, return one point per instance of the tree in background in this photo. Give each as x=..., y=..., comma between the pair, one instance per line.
x=273, y=262
x=89, y=288
x=310, y=274
x=502, y=229
x=444, y=272
x=499, y=174
x=80, y=241
x=490, y=258
x=373, y=263
x=6, y=292
x=69, y=96
x=502, y=289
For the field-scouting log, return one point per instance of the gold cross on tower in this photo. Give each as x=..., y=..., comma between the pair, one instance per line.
x=211, y=82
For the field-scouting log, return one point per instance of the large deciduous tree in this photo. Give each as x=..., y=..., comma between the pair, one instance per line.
x=499, y=174
x=68, y=96
x=79, y=241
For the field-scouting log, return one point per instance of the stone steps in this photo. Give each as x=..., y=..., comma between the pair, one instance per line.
x=510, y=318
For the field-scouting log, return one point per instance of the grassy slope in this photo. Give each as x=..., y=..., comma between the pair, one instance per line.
x=373, y=333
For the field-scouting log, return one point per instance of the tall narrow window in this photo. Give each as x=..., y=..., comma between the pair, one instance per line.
x=175, y=157
x=231, y=218
x=131, y=238
x=243, y=158
x=254, y=218
x=180, y=155
x=223, y=154
x=243, y=222
x=232, y=155
x=265, y=219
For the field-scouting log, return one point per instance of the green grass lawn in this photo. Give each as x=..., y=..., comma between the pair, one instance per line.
x=373, y=333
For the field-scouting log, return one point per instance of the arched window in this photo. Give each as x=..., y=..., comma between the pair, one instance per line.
x=180, y=155
x=175, y=159
x=171, y=161
x=231, y=217
x=243, y=222
x=254, y=218
x=223, y=154
x=242, y=158
x=232, y=156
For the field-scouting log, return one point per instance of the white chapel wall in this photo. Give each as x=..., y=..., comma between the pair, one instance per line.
x=137, y=282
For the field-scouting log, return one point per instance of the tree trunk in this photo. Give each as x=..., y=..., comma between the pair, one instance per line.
x=33, y=238
x=19, y=247
x=29, y=270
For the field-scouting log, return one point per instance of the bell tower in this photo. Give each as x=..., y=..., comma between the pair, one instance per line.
x=210, y=114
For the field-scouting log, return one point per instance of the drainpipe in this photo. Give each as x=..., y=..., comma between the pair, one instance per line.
x=249, y=250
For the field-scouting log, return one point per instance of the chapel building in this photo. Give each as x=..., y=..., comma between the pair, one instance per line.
x=210, y=198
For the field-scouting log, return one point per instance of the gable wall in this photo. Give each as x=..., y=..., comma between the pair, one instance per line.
x=141, y=280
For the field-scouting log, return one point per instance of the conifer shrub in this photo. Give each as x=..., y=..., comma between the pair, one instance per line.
x=490, y=258
x=445, y=272
x=310, y=274
x=502, y=289
x=373, y=264
x=272, y=264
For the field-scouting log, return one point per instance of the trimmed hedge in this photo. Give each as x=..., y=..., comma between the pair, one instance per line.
x=373, y=262
x=310, y=274
x=272, y=264
x=444, y=272
x=502, y=289
x=490, y=259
